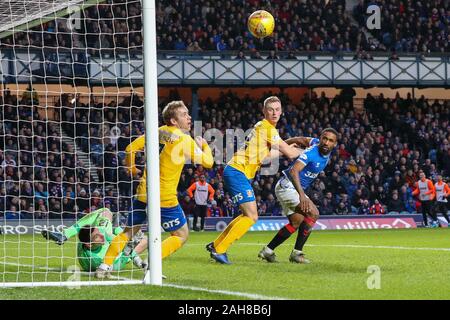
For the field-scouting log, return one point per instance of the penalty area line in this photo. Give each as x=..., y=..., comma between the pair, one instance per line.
x=225, y=292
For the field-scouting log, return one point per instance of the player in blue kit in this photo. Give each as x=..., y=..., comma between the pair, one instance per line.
x=300, y=210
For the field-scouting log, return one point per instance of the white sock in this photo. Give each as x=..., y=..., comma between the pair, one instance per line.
x=104, y=267
x=268, y=250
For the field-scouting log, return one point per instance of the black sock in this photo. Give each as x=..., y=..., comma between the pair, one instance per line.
x=303, y=233
x=446, y=217
x=281, y=236
x=425, y=219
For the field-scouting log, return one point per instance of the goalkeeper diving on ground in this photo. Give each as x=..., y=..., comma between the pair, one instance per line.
x=95, y=233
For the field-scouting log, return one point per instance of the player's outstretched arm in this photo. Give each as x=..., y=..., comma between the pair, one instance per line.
x=303, y=142
x=287, y=150
x=57, y=237
x=73, y=230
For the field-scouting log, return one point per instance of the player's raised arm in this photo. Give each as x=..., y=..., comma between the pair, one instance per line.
x=130, y=156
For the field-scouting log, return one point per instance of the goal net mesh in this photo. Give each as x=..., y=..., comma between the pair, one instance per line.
x=71, y=101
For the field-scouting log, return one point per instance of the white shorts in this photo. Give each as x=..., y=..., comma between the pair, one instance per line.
x=287, y=195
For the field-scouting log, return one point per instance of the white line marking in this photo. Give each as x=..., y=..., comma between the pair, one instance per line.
x=32, y=266
x=340, y=246
x=377, y=247
x=60, y=270
x=230, y=293
x=225, y=292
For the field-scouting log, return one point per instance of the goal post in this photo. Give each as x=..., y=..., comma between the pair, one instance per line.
x=71, y=100
x=152, y=142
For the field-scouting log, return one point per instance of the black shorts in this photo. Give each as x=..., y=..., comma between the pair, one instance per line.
x=441, y=207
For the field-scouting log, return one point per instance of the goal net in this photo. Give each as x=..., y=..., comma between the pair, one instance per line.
x=71, y=101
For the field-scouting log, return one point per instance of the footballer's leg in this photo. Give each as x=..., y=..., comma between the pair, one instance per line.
x=289, y=200
x=297, y=255
x=268, y=252
x=242, y=193
x=174, y=221
x=117, y=245
x=234, y=231
x=137, y=250
x=136, y=219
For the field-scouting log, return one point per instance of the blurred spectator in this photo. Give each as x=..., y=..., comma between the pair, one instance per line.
x=364, y=207
x=395, y=204
x=272, y=55
x=377, y=208
x=241, y=55
x=326, y=208
x=341, y=209
x=188, y=205
x=214, y=210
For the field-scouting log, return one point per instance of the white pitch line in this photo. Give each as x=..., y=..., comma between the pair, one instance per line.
x=61, y=270
x=377, y=247
x=225, y=292
x=341, y=246
x=31, y=266
x=230, y=293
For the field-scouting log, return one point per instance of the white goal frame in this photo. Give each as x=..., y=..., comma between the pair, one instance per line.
x=154, y=275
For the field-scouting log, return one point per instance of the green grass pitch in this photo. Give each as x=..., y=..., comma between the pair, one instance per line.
x=412, y=264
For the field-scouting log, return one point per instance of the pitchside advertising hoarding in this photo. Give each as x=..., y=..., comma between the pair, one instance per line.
x=401, y=221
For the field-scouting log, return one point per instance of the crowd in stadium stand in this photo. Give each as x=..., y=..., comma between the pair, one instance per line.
x=373, y=170
x=408, y=26
x=205, y=25
x=39, y=173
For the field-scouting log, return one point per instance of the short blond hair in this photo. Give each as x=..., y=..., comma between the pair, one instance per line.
x=271, y=99
x=170, y=111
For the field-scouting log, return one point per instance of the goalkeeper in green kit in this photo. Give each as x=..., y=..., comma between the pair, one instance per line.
x=95, y=233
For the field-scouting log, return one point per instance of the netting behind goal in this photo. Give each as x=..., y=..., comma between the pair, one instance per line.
x=72, y=100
